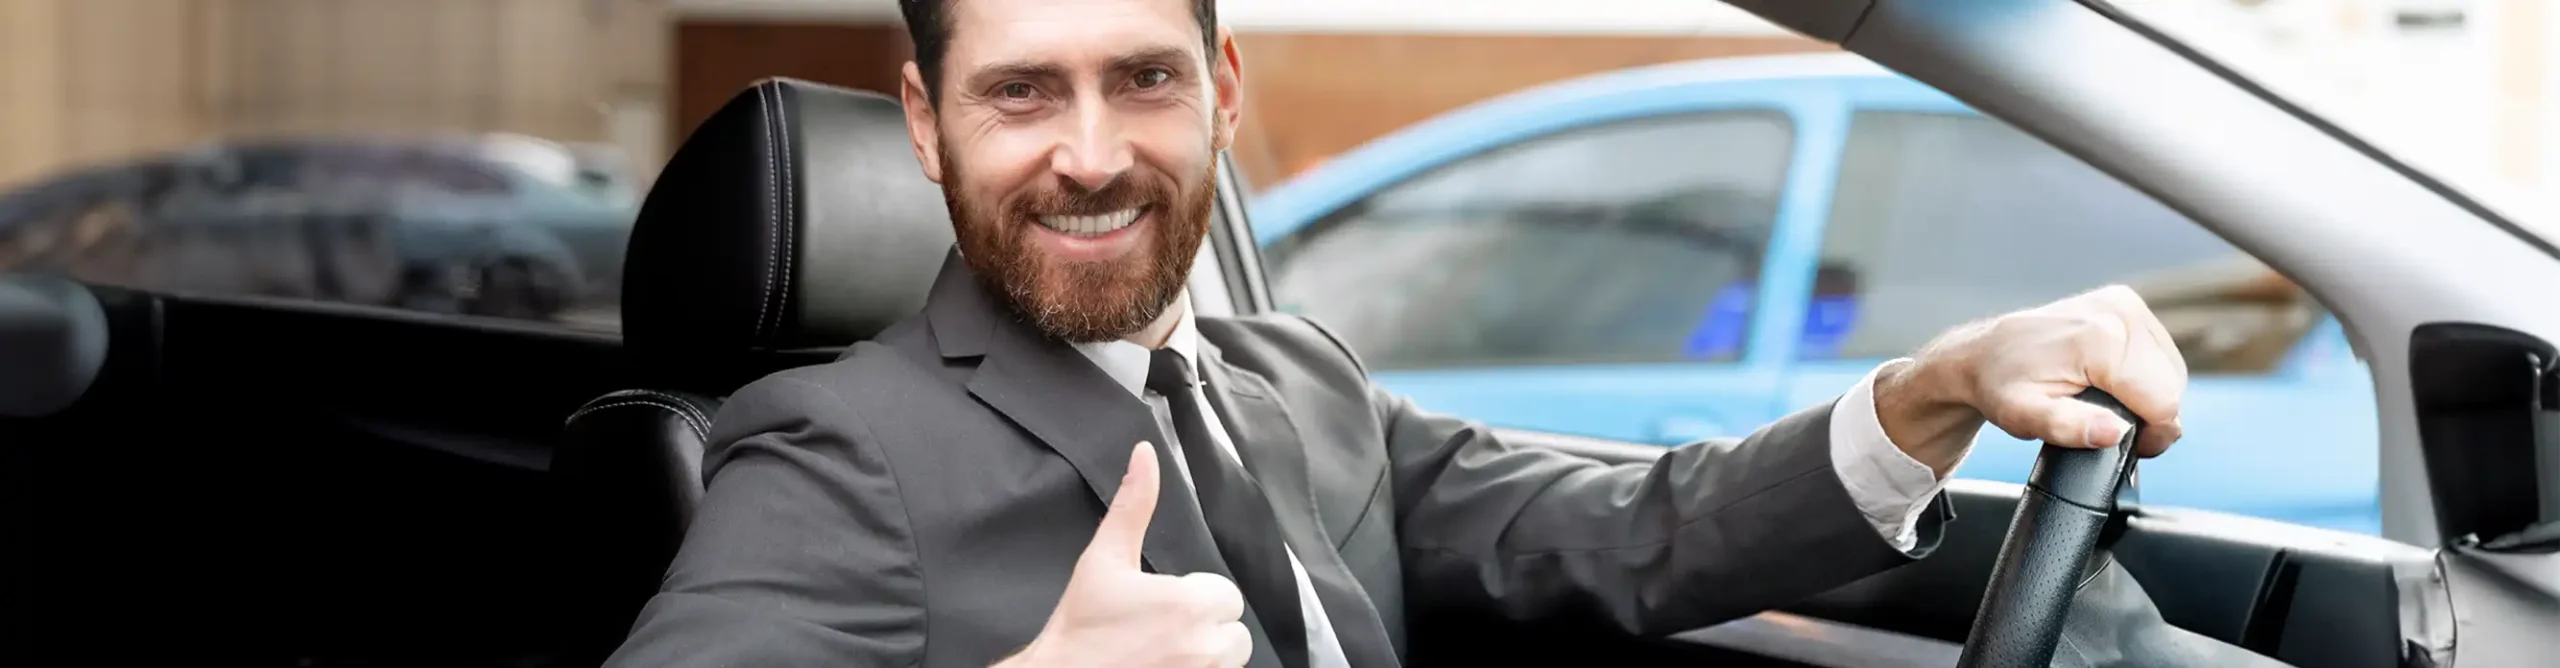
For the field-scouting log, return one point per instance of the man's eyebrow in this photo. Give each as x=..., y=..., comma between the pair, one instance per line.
x=1020, y=69
x=1154, y=55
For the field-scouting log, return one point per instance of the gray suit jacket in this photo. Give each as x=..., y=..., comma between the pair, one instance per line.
x=921, y=500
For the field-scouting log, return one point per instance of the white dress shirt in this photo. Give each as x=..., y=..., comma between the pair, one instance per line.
x=1889, y=487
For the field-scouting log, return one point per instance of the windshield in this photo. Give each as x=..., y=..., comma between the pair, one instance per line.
x=2467, y=91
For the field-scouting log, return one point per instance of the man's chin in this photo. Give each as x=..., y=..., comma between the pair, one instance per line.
x=1093, y=302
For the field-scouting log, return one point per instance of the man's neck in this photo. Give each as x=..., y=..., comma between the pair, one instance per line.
x=1156, y=334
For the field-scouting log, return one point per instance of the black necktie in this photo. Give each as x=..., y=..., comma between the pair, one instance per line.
x=1239, y=516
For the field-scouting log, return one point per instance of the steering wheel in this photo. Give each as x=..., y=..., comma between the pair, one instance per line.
x=2055, y=532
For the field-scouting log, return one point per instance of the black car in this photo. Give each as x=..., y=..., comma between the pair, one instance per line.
x=498, y=226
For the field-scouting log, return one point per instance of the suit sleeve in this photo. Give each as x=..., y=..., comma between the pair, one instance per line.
x=1709, y=532
x=800, y=552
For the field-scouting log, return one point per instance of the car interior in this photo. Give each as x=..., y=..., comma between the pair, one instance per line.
x=250, y=481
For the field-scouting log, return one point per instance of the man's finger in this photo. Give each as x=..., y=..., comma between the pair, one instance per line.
x=2148, y=376
x=1123, y=534
x=1213, y=597
x=2157, y=436
x=2062, y=421
x=1238, y=643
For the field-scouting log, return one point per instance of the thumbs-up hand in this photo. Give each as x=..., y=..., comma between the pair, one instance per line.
x=1115, y=614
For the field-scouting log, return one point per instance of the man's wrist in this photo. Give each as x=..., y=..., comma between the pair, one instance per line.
x=1923, y=411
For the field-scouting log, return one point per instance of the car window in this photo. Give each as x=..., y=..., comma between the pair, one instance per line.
x=1914, y=247
x=1506, y=257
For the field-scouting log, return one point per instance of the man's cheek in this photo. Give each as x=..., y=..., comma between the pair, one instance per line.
x=1180, y=142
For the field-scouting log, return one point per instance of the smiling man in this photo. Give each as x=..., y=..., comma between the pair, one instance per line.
x=1057, y=464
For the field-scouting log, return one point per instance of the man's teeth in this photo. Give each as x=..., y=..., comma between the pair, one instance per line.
x=1093, y=225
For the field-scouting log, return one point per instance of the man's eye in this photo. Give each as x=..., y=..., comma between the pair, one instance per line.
x=1151, y=77
x=1016, y=91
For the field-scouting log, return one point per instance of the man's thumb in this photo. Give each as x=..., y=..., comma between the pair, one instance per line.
x=1123, y=535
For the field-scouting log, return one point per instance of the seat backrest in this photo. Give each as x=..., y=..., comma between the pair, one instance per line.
x=793, y=220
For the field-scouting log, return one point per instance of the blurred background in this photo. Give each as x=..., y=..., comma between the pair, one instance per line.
x=553, y=114
x=486, y=157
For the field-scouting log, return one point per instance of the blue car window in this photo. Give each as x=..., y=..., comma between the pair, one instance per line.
x=1914, y=247
x=1632, y=242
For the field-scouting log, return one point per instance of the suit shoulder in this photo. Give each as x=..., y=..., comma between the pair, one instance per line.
x=1275, y=339
x=840, y=389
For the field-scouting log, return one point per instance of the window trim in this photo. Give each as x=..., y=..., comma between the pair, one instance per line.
x=1231, y=237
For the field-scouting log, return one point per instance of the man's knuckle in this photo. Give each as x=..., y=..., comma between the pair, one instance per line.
x=1199, y=644
x=2119, y=294
x=1203, y=596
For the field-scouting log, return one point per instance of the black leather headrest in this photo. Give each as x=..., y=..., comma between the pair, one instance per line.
x=793, y=218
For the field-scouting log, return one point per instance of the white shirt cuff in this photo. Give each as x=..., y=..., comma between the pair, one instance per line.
x=1888, y=486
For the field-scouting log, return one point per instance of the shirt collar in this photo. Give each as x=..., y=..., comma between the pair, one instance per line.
x=1127, y=363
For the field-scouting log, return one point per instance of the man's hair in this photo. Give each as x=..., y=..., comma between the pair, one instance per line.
x=929, y=27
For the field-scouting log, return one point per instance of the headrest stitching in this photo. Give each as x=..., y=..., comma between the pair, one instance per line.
x=789, y=233
x=773, y=201
x=688, y=404
x=699, y=433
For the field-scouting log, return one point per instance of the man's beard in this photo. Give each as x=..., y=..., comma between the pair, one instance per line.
x=1083, y=301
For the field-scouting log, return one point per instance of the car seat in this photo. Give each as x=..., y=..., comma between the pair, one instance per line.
x=792, y=223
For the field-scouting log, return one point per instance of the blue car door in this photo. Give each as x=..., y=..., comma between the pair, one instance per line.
x=1939, y=216
x=1589, y=261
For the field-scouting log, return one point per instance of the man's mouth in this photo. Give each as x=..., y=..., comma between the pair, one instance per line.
x=1092, y=225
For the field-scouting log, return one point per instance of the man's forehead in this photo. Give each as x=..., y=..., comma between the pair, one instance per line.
x=1067, y=30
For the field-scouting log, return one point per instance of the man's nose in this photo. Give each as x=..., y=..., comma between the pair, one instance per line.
x=1094, y=151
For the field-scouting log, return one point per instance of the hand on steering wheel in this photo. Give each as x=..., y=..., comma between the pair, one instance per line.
x=2068, y=500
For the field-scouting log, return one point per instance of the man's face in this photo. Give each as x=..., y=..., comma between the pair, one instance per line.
x=1076, y=144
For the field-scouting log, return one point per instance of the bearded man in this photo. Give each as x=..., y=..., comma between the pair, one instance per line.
x=1057, y=464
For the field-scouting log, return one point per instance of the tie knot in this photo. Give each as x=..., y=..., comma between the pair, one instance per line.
x=1168, y=373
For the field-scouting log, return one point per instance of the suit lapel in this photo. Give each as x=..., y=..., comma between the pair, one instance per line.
x=1072, y=407
x=1069, y=405
x=1267, y=440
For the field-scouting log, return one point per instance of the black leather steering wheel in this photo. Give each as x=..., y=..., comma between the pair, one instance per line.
x=2065, y=509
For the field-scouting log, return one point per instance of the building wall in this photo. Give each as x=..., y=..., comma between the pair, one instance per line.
x=717, y=58
x=96, y=80
x=1308, y=95
x=30, y=87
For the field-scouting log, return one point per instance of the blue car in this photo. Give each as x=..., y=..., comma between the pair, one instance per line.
x=1691, y=250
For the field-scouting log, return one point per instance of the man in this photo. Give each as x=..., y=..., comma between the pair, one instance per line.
x=1057, y=464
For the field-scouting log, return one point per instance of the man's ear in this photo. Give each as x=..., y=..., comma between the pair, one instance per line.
x=924, y=132
x=1227, y=74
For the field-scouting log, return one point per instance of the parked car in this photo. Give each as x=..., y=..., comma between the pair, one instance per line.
x=494, y=225
x=1690, y=250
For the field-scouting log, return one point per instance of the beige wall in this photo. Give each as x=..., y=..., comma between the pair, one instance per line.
x=30, y=86
x=1309, y=95
x=93, y=80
